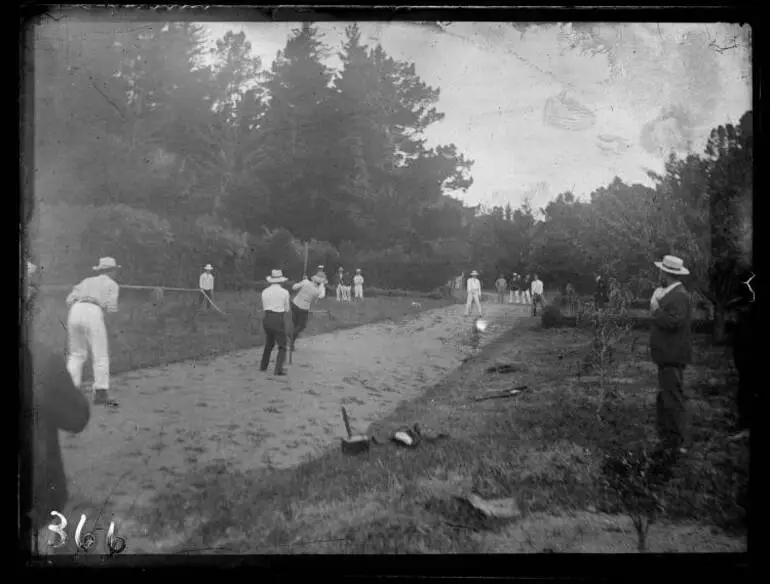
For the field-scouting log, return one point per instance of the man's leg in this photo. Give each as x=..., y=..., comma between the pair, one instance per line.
x=301, y=321
x=671, y=406
x=281, y=340
x=477, y=300
x=468, y=304
x=77, y=350
x=101, y=359
x=269, y=344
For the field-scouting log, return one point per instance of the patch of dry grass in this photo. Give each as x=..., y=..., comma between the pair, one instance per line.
x=543, y=448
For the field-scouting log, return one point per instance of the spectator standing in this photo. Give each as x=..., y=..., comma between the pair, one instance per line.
x=502, y=287
x=358, y=285
x=671, y=351
x=537, y=294
x=527, y=299
x=473, y=293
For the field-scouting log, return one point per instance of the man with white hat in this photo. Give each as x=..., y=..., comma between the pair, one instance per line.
x=340, y=282
x=358, y=285
x=671, y=351
x=86, y=329
x=276, y=305
x=474, y=293
x=300, y=304
x=206, y=284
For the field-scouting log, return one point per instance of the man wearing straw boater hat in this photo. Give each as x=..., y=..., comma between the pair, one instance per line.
x=206, y=284
x=276, y=305
x=474, y=293
x=86, y=328
x=671, y=351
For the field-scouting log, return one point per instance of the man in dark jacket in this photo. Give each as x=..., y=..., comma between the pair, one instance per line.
x=50, y=403
x=671, y=351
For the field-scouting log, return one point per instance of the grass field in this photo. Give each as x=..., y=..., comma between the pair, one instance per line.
x=542, y=448
x=144, y=334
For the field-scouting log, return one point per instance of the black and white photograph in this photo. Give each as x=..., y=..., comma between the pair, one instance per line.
x=309, y=285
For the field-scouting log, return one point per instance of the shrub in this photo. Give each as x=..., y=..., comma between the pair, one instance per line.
x=552, y=317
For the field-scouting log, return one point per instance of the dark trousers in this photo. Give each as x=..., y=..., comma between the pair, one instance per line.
x=671, y=405
x=537, y=299
x=275, y=333
x=202, y=297
x=299, y=317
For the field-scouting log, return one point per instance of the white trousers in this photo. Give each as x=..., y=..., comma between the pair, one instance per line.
x=86, y=330
x=340, y=292
x=473, y=298
x=346, y=293
x=358, y=290
x=527, y=297
x=321, y=292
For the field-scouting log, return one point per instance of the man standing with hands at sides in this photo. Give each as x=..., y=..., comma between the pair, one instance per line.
x=525, y=293
x=474, y=293
x=537, y=294
x=88, y=302
x=276, y=305
x=206, y=284
x=358, y=285
x=51, y=403
x=671, y=351
x=300, y=305
x=339, y=282
x=501, y=286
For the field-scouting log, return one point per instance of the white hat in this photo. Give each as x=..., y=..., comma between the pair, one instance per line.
x=358, y=269
x=672, y=265
x=106, y=264
x=31, y=268
x=474, y=273
x=276, y=277
x=208, y=267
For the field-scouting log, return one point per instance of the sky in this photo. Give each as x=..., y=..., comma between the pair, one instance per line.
x=539, y=118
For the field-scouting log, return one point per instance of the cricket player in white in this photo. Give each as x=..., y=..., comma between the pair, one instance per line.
x=85, y=327
x=474, y=293
x=206, y=285
x=537, y=294
x=322, y=289
x=358, y=283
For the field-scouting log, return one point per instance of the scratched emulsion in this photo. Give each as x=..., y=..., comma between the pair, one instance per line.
x=181, y=417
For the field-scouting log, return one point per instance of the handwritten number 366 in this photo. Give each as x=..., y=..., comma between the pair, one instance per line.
x=86, y=542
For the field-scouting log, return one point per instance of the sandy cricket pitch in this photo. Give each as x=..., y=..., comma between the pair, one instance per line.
x=175, y=417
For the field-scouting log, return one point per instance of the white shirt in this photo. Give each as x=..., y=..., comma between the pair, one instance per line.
x=308, y=291
x=358, y=280
x=207, y=281
x=102, y=289
x=474, y=286
x=276, y=299
x=660, y=293
x=537, y=287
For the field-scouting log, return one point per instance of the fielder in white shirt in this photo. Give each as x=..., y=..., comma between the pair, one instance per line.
x=206, y=285
x=358, y=285
x=474, y=293
x=86, y=330
x=537, y=294
x=276, y=302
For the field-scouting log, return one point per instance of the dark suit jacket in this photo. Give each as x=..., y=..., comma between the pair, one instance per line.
x=670, y=342
x=51, y=403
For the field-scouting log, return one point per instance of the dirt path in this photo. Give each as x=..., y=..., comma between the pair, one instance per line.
x=175, y=418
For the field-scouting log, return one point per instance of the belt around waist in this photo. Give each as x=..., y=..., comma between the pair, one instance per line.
x=274, y=312
x=88, y=301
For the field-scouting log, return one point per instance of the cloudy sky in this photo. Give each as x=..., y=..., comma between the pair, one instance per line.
x=540, y=118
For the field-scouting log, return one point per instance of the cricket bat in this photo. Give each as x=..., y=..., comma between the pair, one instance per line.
x=306, y=257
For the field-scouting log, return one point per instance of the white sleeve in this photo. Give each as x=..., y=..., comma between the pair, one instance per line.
x=201, y=282
x=111, y=297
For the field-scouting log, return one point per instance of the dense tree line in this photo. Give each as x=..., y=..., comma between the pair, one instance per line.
x=151, y=147
x=169, y=155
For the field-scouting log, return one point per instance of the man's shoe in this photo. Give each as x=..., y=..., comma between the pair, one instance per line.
x=280, y=373
x=101, y=399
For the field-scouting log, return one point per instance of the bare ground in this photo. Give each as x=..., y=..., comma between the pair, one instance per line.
x=175, y=418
